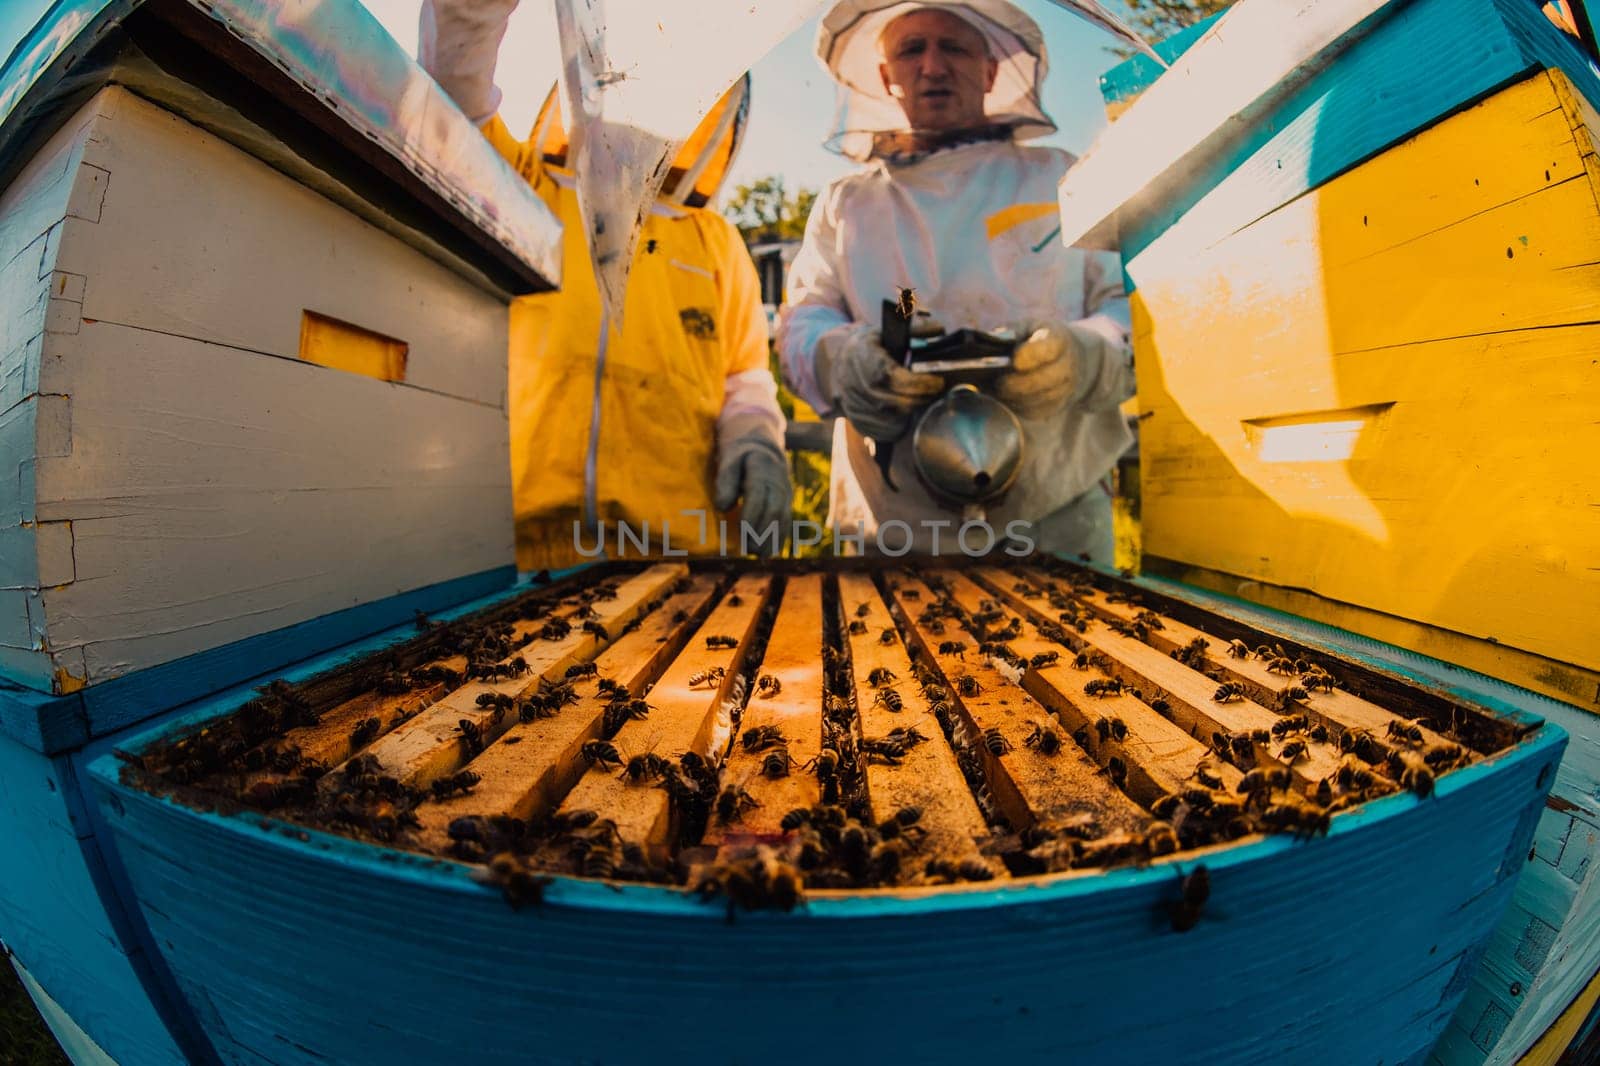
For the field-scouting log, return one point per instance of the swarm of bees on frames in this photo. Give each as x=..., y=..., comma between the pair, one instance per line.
x=1279, y=779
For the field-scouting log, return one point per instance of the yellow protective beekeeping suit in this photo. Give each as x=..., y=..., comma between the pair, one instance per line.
x=609, y=427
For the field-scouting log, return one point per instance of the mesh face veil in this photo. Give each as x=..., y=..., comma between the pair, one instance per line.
x=870, y=121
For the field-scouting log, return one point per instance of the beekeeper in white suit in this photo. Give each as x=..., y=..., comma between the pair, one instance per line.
x=937, y=98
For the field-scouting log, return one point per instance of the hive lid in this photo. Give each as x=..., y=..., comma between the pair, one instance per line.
x=325, y=79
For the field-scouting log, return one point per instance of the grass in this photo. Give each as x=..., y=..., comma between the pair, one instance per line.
x=24, y=1038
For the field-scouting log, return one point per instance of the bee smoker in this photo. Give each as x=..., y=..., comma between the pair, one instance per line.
x=967, y=446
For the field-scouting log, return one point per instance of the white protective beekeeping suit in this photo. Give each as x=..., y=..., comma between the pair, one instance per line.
x=973, y=228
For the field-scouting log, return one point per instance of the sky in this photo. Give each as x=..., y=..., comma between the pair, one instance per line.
x=792, y=97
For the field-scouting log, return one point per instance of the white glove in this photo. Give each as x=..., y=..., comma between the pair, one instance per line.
x=861, y=380
x=458, y=42
x=1055, y=366
x=752, y=467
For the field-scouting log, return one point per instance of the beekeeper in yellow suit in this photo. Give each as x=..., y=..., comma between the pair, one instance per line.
x=674, y=418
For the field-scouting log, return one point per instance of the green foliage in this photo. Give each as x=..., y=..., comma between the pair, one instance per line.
x=808, y=470
x=1156, y=20
x=764, y=211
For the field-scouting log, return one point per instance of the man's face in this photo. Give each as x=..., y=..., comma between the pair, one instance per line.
x=938, y=68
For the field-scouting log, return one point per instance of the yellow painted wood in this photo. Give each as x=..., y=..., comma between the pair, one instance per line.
x=1560, y=681
x=1384, y=391
x=1558, y=1038
x=327, y=341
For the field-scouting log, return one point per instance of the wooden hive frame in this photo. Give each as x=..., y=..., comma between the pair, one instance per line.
x=759, y=732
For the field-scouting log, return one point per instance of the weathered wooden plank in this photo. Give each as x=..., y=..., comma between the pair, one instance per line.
x=1161, y=759
x=1189, y=695
x=928, y=777
x=793, y=656
x=1339, y=710
x=1027, y=787
x=689, y=713
x=431, y=744
x=534, y=764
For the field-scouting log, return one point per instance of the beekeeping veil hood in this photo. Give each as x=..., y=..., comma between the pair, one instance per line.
x=697, y=171
x=637, y=76
x=847, y=45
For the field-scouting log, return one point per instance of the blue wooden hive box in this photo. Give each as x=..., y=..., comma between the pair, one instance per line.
x=295, y=770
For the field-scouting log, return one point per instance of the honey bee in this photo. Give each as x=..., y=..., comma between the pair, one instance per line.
x=1319, y=680
x=800, y=816
x=1228, y=691
x=444, y=787
x=601, y=753
x=1194, y=888
x=1325, y=792
x=555, y=629
x=759, y=738
x=826, y=763
x=905, y=304
x=518, y=883
x=767, y=685
x=1406, y=732
x=567, y=821
x=857, y=627
x=1238, y=649
x=1082, y=661
x=1363, y=744
x=645, y=767
x=707, y=678
x=1293, y=751
x=776, y=762
x=1319, y=733
x=1045, y=741
x=720, y=641
x=1161, y=706
x=732, y=802
x=1202, y=773
x=887, y=636
x=953, y=647
x=365, y=732
x=1292, y=693
x=1284, y=726
x=880, y=677
x=1044, y=658
x=1281, y=665
x=1109, y=728
x=1299, y=817
x=1444, y=756
x=890, y=699
x=735, y=600
x=995, y=741
x=968, y=685
x=1117, y=770
x=581, y=670
x=471, y=736
x=1264, y=780
x=1103, y=686
x=863, y=609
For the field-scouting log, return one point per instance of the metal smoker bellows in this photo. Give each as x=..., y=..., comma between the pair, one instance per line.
x=968, y=447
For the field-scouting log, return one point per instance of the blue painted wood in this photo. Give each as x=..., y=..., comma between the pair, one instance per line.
x=1133, y=76
x=54, y=910
x=1426, y=61
x=59, y=723
x=1548, y=943
x=1352, y=948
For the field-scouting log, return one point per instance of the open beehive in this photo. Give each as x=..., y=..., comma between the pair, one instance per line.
x=762, y=735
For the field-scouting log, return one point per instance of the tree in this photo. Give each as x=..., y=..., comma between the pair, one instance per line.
x=764, y=211
x=1156, y=20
